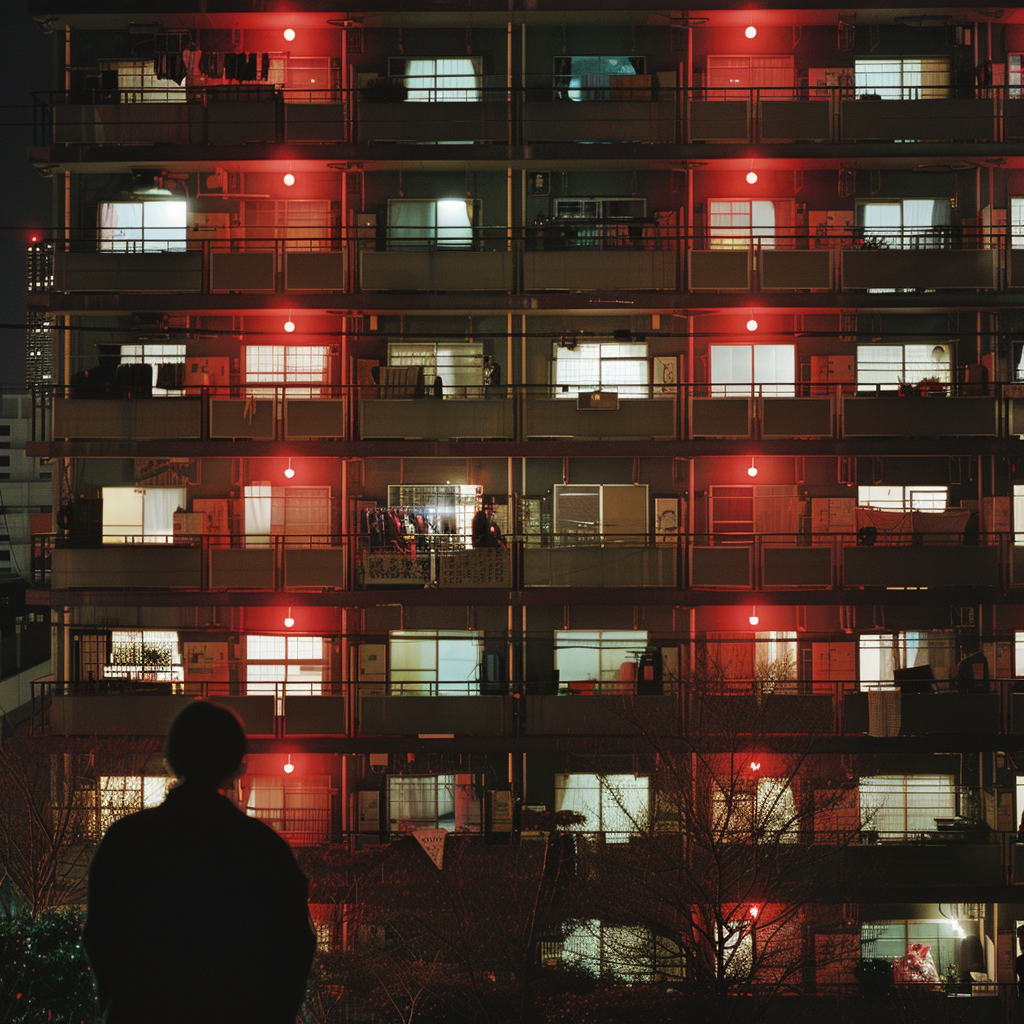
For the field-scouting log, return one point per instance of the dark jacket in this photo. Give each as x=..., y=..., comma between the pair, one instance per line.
x=197, y=913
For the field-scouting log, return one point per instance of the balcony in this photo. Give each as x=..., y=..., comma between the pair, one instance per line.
x=619, y=562
x=205, y=267
x=488, y=418
x=586, y=254
x=919, y=120
x=919, y=269
x=438, y=561
x=411, y=715
x=217, y=115
x=81, y=413
x=437, y=270
x=940, y=415
x=618, y=419
x=928, y=713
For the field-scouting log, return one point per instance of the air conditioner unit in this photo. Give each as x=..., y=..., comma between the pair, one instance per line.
x=597, y=400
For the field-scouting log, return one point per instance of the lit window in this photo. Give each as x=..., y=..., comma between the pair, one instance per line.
x=120, y=795
x=909, y=78
x=460, y=366
x=767, y=370
x=887, y=366
x=903, y=499
x=451, y=802
x=740, y=223
x=151, y=655
x=745, y=811
x=616, y=805
x=440, y=80
x=905, y=223
x=882, y=653
x=300, y=515
x=891, y=940
x=289, y=366
x=143, y=515
x=156, y=355
x=735, y=939
x=305, y=79
x=154, y=226
x=614, y=365
x=276, y=666
x=137, y=82
x=596, y=77
x=606, y=656
x=428, y=662
x=623, y=952
x=432, y=223
x=898, y=806
x=298, y=807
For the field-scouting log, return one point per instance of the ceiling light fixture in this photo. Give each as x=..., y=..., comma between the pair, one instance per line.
x=289, y=34
x=289, y=179
x=289, y=621
x=752, y=469
x=289, y=472
x=750, y=32
x=289, y=767
x=753, y=619
x=289, y=325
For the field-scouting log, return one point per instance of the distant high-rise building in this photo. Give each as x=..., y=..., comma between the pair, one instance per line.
x=39, y=336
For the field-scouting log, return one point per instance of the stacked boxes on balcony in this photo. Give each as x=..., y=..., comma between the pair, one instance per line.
x=724, y=325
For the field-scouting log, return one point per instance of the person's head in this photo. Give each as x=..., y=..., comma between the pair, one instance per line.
x=488, y=505
x=205, y=744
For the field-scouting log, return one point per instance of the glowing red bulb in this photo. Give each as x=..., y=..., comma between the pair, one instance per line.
x=289, y=34
x=750, y=32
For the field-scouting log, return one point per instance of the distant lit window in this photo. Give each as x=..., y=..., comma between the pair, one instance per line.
x=616, y=805
x=152, y=226
x=887, y=366
x=120, y=795
x=432, y=223
x=435, y=662
x=613, y=365
x=595, y=77
x=141, y=515
x=298, y=807
x=906, y=78
x=441, y=79
x=152, y=655
x=765, y=370
x=451, y=802
x=908, y=498
x=290, y=365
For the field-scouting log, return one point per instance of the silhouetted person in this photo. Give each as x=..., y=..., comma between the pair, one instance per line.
x=197, y=912
x=486, y=533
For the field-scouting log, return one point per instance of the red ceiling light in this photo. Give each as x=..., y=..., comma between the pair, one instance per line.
x=289, y=179
x=289, y=325
x=288, y=620
x=289, y=472
x=289, y=34
x=750, y=32
x=752, y=472
x=751, y=177
x=752, y=324
x=754, y=911
x=289, y=767
x=753, y=617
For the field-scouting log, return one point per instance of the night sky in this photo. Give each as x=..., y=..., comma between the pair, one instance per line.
x=25, y=196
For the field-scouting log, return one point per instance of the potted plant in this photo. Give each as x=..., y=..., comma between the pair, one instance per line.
x=931, y=386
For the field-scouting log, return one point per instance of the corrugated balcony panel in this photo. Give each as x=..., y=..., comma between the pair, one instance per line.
x=1017, y=566
x=600, y=715
x=1013, y=119
x=796, y=567
x=487, y=418
x=1015, y=268
x=410, y=716
x=241, y=568
x=315, y=122
x=315, y=716
x=127, y=272
x=966, y=120
x=795, y=269
x=128, y=123
x=796, y=417
x=606, y=121
x=127, y=418
x=316, y=271
x=719, y=120
x=314, y=568
x=242, y=271
x=1016, y=416
x=435, y=271
x=796, y=120
x=127, y=567
x=238, y=121
x=611, y=566
x=923, y=713
x=142, y=715
x=774, y=713
x=922, y=269
x=314, y=417
x=485, y=121
x=921, y=566
x=935, y=863
x=239, y=417
x=613, y=270
x=921, y=415
x=720, y=417
x=719, y=270
x=642, y=418
x=726, y=566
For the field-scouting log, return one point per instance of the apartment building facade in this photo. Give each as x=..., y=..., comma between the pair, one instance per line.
x=718, y=309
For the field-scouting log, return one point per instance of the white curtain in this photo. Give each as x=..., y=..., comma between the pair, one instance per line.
x=257, y=515
x=158, y=507
x=614, y=804
x=451, y=79
x=411, y=223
